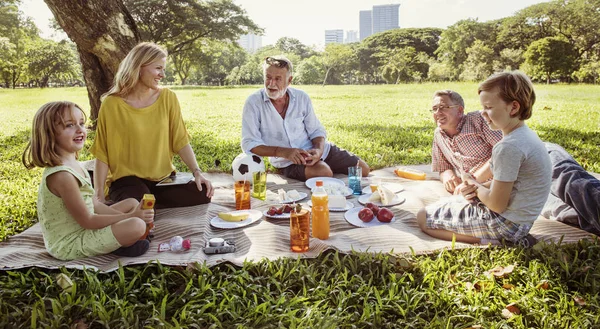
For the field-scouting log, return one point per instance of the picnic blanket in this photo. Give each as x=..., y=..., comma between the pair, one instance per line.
x=269, y=238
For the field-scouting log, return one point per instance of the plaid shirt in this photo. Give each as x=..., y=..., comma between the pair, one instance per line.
x=470, y=149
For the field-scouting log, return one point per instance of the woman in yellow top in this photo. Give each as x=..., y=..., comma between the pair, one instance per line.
x=139, y=130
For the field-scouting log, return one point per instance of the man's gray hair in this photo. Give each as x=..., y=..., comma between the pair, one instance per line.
x=275, y=61
x=455, y=97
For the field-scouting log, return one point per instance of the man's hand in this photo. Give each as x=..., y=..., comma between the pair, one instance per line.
x=314, y=157
x=297, y=156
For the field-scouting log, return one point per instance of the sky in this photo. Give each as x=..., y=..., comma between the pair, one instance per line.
x=307, y=20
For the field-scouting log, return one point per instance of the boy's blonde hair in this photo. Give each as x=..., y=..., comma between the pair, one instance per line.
x=512, y=86
x=41, y=151
x=128, y=73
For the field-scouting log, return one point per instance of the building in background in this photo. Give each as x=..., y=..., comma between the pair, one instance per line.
x=351, y=36
x=334, y=36
x=365, y=24
x=385, y=17
x=250, y=42
x=381, y=18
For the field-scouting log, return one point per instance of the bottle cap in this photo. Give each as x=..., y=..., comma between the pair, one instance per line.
x=187, y=244
x=319, y=183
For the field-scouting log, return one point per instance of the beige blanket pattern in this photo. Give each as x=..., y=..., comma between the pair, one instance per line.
x=269, y=238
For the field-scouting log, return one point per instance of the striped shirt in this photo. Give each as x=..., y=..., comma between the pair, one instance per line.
x=468, y=150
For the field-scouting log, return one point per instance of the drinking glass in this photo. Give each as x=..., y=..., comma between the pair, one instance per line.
x=354, y=178
x=259, y=185
x=242, y=195
x=299, y=230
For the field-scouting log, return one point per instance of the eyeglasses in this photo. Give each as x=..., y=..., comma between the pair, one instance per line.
x=435, y=109
x=280, y=63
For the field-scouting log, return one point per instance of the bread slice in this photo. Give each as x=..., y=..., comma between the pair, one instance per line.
x=386, y=195
x=282, y=195
x=293, y=195
x=374, y=197
x=336, y=201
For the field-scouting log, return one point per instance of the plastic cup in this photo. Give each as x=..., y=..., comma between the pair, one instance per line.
x=242, y=195
x=354, y=178
x=299, y=230
x=259, y=185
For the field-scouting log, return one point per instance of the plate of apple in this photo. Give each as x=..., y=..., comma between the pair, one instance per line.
x=370, y=215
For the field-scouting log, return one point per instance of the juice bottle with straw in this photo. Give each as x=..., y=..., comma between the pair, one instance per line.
x=320, y=212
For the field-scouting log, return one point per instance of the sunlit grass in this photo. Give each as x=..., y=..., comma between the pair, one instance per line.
x=385, y=125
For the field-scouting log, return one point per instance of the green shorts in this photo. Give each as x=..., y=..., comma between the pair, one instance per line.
x=84, y=243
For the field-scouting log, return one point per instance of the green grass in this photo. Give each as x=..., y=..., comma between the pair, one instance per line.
x=385, y=125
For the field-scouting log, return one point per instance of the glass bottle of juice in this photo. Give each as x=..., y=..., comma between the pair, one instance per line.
x=320, y=212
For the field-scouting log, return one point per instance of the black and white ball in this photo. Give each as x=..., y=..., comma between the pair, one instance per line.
x=245, y=164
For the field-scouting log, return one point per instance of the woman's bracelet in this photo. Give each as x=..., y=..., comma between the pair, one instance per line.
x=196, y=170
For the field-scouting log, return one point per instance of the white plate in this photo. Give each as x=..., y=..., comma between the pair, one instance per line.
x=351, y=217
x=394, y=187
x=282, y=216
x=255, y=215
x=349, y=205
x=364, y=199
x=312, y=182
x=302, y=197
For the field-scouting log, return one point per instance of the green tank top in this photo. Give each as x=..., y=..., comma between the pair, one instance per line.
x=58, y=226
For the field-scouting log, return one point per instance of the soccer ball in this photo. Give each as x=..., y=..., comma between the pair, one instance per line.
x=245, y=164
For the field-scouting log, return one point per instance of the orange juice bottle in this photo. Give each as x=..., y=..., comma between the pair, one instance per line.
x=148, y=202
x=320, y=212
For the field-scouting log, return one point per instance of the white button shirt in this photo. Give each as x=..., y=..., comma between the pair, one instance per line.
x=262, y=125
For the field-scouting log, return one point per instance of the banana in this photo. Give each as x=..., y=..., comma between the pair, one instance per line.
x=229, y=217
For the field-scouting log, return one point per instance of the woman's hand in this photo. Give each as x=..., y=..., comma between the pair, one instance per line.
x=200, y=179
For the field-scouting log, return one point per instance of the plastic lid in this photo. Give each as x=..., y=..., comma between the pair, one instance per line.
x=187, y=244
x=216, y=242
x=319, y=183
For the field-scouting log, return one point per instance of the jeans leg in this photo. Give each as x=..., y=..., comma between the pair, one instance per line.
x=575, y=187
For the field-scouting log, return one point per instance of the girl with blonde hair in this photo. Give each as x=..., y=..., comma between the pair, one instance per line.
x=74, y=224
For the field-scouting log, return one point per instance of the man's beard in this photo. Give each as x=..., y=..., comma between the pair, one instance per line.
x=277, y=95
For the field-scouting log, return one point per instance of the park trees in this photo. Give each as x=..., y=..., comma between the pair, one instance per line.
x=17, y=33
x=550, y=58
x=105, y=31
x=49, y=59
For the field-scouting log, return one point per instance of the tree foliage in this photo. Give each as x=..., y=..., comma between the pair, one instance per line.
x=178, y=24
x=550, y=58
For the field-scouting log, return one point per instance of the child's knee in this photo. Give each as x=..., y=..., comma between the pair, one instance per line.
x=422, y=219
x=132, y=203
x=137, y=226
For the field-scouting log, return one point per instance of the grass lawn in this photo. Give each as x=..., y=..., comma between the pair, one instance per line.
x=553, y=286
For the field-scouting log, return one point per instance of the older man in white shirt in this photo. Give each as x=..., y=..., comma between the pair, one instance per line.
x=279, y=122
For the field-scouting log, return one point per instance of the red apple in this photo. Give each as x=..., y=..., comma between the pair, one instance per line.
x=374, y=208
x=385, y=215
x=366, y=215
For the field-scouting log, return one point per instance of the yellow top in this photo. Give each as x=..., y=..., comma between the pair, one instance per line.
x=139, y=142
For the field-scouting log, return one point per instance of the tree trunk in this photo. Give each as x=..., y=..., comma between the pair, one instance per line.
x=104, y=32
